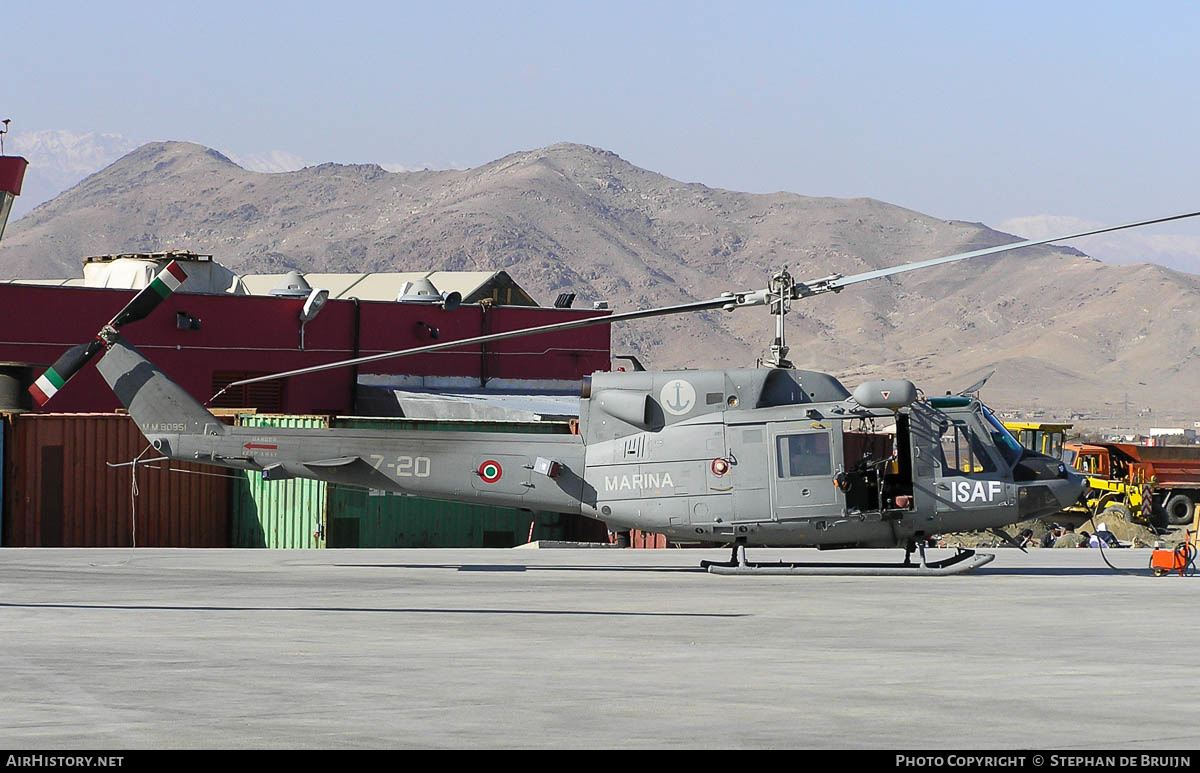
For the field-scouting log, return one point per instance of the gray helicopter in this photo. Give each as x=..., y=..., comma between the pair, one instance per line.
x=766, y=456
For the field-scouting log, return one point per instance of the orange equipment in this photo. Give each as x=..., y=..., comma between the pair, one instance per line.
x=1182, y=557
x=1166, y=561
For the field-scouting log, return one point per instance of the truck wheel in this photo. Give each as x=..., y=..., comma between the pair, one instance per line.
x=1178, y=509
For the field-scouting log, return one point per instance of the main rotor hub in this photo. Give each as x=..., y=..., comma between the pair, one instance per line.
x=783, y=289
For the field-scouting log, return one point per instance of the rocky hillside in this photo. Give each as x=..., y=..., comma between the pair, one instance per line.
x=1064, y=332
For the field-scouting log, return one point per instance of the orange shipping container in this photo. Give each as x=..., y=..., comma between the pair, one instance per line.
x=642, y=540
x=647, y=540
x=59, y=491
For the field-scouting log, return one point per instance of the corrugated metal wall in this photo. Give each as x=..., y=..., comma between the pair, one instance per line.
x=358, y=519
x=58, y=491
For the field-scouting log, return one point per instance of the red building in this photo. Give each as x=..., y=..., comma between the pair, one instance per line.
x=205, y=341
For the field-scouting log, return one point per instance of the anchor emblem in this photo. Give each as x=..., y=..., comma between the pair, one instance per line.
x=677, y=397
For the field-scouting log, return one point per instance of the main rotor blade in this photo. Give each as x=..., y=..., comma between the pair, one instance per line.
x=838, y=284
x=727, y=301
x=745, y=299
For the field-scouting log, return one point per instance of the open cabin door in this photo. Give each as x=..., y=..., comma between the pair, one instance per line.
x=924, y=437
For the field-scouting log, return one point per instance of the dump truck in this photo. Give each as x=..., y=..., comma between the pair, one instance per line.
x=1155, y=482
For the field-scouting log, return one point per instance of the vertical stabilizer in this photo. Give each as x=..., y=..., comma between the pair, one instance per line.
x=158, y=405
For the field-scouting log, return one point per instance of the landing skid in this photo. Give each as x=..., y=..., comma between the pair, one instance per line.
x=960, y=563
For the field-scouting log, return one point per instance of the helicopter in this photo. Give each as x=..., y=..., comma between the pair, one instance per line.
x=764, y=456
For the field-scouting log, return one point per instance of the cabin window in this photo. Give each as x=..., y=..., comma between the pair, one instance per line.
x=802, y=456
x=962, y=453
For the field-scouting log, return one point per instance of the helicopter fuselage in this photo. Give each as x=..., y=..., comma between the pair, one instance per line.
x=764, y=456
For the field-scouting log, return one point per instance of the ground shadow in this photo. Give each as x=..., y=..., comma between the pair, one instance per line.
x=1091, y=571
x=523, y=568
x=389, y=610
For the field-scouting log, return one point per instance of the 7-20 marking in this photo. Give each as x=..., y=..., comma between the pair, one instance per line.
x=405, y=466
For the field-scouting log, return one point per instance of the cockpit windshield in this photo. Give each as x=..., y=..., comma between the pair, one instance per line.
x=1006, y=444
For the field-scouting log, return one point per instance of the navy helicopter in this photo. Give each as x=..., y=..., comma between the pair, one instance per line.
x=765, y=456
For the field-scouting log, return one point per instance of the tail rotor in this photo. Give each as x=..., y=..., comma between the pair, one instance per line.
x=55, y=378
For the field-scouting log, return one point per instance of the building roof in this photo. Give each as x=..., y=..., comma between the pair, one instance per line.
x=380, y=286
x=129, y=271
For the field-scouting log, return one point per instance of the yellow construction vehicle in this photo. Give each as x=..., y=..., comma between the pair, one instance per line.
x=1108, y=495
x=1042, y=437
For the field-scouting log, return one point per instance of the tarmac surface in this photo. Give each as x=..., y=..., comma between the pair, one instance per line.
x=121, y=649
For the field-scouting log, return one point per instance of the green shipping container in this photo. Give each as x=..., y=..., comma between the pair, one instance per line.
x=366, y=519
x=279, y=514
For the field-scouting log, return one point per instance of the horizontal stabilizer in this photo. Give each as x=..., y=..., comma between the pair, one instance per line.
x=344, y=470
x=341, y=461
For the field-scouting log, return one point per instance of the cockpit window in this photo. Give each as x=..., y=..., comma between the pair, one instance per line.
x=1006, y=444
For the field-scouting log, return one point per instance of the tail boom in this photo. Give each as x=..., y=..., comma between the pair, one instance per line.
x=486, y=468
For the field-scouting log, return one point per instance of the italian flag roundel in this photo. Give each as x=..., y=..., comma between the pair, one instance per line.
x=490, y=471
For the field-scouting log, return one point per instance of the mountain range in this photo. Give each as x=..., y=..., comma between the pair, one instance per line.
x=1066, y=334
x=60, y=160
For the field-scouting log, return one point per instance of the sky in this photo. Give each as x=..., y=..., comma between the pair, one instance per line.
x=990, y=112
